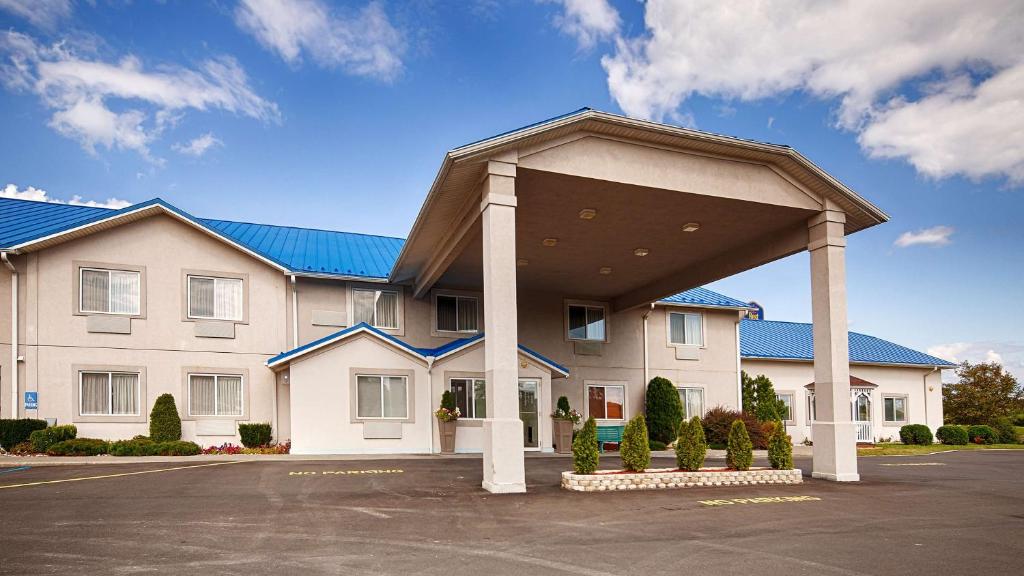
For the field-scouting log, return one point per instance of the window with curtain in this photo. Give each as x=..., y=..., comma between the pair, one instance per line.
x=382, y=397
x=586, y=322
x=606, y=402
x=378, y=308
x=895, y=408
x=214, y=395
x=787, y=401
x=685, y=329
x=456, y=313
x=109, y=394
x=214, y=298
x=693, y=402
x=470, y=396
x=109, y=291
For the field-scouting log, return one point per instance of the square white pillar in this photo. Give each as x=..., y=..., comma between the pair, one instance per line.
x=504, y=468
x=835, y=441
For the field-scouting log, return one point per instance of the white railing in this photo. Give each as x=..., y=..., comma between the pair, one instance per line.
x=863, y=431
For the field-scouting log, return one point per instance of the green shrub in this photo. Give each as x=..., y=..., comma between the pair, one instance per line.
x=718, y=422
x=739, y=452
x=562, y=405
x=138, y=446
x=981, y=434
x=22, y=449
x=655, y=445
x=952, y=434
x=79, y=447
x=916, y=434
x=16, y=431
x=177, y=448
x=1018, y=419
x=780, y=448
x=255, y=434
x=634, y=450
x=42, y=439
x=1005, y=432
x=664, y=410
x=585, y=454
x=691, y=449
x=448, y=400
x=164, y=422
x=769, y=407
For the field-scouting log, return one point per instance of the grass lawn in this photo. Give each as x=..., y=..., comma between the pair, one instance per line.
x=887, y=449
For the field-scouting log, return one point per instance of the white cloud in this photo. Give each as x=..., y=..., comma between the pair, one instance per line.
x=364, y=43
x=33, y=193
x=588, y=21
x=44, y=14
x=198, y=146
x=939, y=83
x=934, y=236
x=123, y=105
x=1010, y=355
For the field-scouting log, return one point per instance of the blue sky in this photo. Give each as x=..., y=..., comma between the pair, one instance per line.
x=337, y=116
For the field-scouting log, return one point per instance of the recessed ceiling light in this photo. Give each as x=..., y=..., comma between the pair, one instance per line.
x=641, y=252
x=606, y=270
x=550, y=242
x=522, y=262
x=588, y=214
x=691, y=227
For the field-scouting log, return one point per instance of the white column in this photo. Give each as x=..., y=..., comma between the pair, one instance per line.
x=504, y=469
x=835, y=441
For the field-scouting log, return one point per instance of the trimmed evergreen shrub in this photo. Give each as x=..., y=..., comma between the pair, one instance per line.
x=691, y=448
x=177, y=448
x=981, y=434
x=916, y=434
x=718, y=421
x=563, y=405
x=585, y=455
x=739, y=452
x=656, y=445
x=42, y=439
x=1005, y=432
x=79, y=447
x=16, y=431
x=952, y=434
x=780, y=448
x=143, y=446
x=255, y=434
x=164, y=422
x=664, y=410
x=448, y=400
x=634, y=450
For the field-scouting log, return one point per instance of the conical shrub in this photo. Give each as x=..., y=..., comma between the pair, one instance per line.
x=739, y=453
x=780, y=448
x=664, y=410
x=585, y=455
x=691, y=448
x=635, y=449
x=164, y=422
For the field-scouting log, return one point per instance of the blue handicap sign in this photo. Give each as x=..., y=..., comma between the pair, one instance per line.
x=31, y=400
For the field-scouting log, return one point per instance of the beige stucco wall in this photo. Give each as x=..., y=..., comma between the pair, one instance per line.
x=921, y=385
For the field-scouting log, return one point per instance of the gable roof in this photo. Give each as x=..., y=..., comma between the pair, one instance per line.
x=775, y=340
x=701, y=297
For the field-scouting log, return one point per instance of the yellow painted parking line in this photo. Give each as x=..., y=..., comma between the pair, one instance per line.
x=342, y=472
x=759, y=500
x=914, y=464
x=41, y=482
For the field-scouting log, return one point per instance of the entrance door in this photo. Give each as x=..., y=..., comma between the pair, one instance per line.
x=862, y=414
x=529, y=395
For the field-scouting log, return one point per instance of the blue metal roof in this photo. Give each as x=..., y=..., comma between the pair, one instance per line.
x=795, y=341
x=22, y=220
x=704, y=298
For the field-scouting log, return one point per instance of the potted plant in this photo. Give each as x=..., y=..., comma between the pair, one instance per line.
x=447, y=415
x=565, y=419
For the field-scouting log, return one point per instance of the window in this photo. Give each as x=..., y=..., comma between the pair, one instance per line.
x=895, y=408
x=378, y=308
x=586, y=322
x=606, y=402
x=787, y=401
x=693, y=402
x=685, y=329
x=214, y=395
x=456, y=313
x=108, y=394
x=470, y=396
x=812, y=408
x=382, y=397
x=214, y=298
x=109, y=291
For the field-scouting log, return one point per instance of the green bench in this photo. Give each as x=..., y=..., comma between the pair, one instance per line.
x=609, y=434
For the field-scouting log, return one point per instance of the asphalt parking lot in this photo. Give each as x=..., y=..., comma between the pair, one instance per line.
x=953, y=513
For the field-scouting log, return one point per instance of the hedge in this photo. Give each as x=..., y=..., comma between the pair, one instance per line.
x=14, y=432
x=164, y=422
x=739, y=453
x=691, y=449
x=780, y=448
x=255, y=434
x=664, y=410
x=1005, y=432
x=916, y=434
x=143, y=446
x=585, y=454
x=79, y=447
x=41, y=440
x=634, y=450
x=981, y=434
x=952, y=434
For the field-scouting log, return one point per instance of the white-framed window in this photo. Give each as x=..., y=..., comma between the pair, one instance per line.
x=586, y=322
x=109, y=291
x=215, y=395
x=812, y=408
x=606, y=401
x=456, y=313
x=787, y=399
x=382, y=397
x=693, y=402
x=211, y=298
x=895, y=408
x=685, y=329
x=470, y=396
x=378, y=308
x=108, y=393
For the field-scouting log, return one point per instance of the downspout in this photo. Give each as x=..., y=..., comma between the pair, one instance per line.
x=647, y=376
x=430, y=395
x=14, y=334
x=295, y=314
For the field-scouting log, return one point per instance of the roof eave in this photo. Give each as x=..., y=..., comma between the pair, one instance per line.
x=852, y=362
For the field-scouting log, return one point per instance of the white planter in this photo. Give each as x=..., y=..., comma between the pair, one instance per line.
x=661, y=478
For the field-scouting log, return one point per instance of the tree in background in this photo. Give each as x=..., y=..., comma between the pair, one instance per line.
x=759, y=398
x=982, y=393
x=664, y=410
x=748, y=392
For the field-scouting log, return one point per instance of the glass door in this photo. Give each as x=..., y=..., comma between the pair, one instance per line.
x=529, y=394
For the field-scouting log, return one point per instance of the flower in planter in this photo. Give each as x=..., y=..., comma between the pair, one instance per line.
x=572, y=415
x=447, y=415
